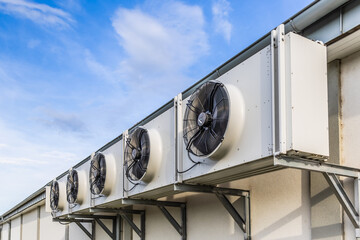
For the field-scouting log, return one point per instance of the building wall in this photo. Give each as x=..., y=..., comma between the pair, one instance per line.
x=30, y=225
x=350, y=117
x=15, y=228
x=280, y=209
x=5, y=232
x=48, y=228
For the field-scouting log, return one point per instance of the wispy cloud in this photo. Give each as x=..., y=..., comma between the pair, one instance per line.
x=39, y=13
x=64, y=122
x=161, y=43
x=220, y=11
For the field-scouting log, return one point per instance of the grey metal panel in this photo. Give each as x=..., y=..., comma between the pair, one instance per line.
x=351, y=15
x=325, y=29
x=335, y=23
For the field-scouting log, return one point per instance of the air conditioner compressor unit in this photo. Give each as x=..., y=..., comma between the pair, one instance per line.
x=78, y=189
x=105, y=176
x=56, y=202
x=149, y=157
x=274, y=103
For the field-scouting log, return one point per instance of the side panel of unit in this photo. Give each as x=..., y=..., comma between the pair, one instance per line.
x=164, y=125
x=306, y=72
x=30, y=225
x=116, y=193
x=253, y=79
x=16, y=228
x=48, y=228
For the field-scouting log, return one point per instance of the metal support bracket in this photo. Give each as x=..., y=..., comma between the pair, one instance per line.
x=220, y=193
x=330, y=173
x=180, y=228
x=123, y=214
x=343, y=198
x=79, y=223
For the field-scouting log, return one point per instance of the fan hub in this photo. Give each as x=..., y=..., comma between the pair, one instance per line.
x=135, y=154
x=204, y=119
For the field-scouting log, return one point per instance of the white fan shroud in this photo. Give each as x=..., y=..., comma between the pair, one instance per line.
x=82, y=187
x=62, y=204
x=155, y=155
x=110, y=172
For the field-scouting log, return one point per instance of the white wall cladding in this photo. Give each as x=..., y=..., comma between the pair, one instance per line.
x=350, y=86
x=100, y=233
x=350, y=117
x=48, y=228
x=29, y=227
x=76, y=233
x=5, y=232
x=15, y=228
x=280, y=209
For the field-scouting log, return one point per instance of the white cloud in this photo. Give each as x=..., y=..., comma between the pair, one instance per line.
x=163, y=43
x=36, y=12
x=220, y=11
x=100, y=70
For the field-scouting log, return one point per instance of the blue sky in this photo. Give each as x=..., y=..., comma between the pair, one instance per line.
x=75, y=74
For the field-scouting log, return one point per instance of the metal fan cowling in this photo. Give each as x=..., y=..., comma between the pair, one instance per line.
x=57, y=196
x=142, y=154
x=102, y=173
x=76, y=186
x=213, y=120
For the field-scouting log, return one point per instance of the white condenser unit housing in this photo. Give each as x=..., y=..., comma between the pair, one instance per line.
x=149, y=157
x=77, y=188
x=105, y=176
x=272, y=104
x=56, y=202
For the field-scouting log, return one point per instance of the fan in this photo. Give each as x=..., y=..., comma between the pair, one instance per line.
x=54, y=195
x=72, y=186
x=97, y=174
x=137, y=154
x=206, y=119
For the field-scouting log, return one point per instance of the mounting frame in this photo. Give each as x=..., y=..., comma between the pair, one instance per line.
x=180, y=228
x=120, y=214
x=331, y=173
x=220, y=193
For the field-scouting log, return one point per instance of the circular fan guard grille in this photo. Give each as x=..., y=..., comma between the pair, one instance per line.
x=137, y=154
x=72, y=186
x=97, y=174
x=54, y=195
x=206, y=118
